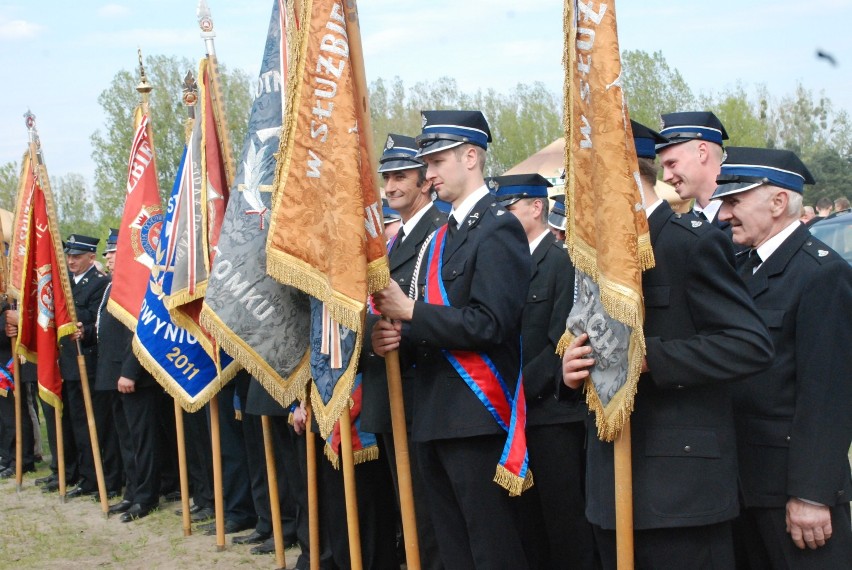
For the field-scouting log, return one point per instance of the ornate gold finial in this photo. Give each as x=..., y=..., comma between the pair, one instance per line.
x=144, y=87
x=190, y=90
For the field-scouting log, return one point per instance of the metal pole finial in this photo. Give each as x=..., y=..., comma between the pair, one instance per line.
x=144, y=87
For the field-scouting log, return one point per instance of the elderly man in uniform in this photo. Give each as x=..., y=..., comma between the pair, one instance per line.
x=691, y=158
x=464, y=322
x=702, y=332
x=410, y=194
x=555, y=430
x=87, y=288
x=793, y=422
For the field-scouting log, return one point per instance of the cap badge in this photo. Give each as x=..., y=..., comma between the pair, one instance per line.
x=822, y=252
x=389, y=143
x=425, y=120
x=662, y=124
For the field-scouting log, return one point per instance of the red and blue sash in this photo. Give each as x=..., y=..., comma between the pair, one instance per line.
x=482, y=377
x=7, y=380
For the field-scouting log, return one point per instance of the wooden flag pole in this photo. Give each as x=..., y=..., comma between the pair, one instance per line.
x=218, y=500
x=397, y=408
x=93, y=430
x=347, y=457
x=60, y=451
x=313, y=503
x=183, y=471
x=19, y=423
x=272, y=481
x=624, y=499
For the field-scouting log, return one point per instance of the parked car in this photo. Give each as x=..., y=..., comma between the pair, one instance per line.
x=836, y=232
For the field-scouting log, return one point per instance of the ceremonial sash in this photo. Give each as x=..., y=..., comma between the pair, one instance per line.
x=7, y=380
x=482, y=377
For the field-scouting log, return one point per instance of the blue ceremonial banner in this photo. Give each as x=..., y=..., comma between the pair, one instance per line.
x=262, y=323
x=169, y=352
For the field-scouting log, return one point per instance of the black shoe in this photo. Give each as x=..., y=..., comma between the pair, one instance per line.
x=202, y=514
x=137, y=511
x=192, y=510
x=47, y=480
x=53, y=486
x=253, y=538
x=266, y=547
x=10, y=471
x=79, y=491
x=121, y=507
x=171, y=497
x=230, y=527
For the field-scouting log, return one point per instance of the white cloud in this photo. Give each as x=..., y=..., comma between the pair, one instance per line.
x=113, y=11
x=18, y=29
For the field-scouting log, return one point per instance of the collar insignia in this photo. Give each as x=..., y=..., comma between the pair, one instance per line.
x=822, y=252
x=696, y=224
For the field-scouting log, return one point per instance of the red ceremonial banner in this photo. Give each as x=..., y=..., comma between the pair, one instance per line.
x=45, y=315
x=139, y=231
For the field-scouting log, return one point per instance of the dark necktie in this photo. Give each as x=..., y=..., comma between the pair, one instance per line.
x=398, y=239
x=749, y=265
x=700, y=215
x=452, y=226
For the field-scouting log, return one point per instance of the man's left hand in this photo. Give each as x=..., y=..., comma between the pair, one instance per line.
x=808, y=524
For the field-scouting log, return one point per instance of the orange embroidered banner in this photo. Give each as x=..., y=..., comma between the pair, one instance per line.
x=326, y=226
x=607, y=231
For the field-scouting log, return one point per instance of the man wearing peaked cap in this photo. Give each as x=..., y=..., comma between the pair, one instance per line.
x=702, y=332
x=409, y=192
x=467, y=305
x=87, y=288
x=556, y=220
x=111, y=242
x=793, y=422
x=691, y=158
x=555, y=507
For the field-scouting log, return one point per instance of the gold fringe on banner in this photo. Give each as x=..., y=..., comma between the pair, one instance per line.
x=162, y=377
x=327, y=415
x=283, y=390
x=361, y=455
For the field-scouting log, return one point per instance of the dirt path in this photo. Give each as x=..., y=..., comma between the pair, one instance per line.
x=37, y=531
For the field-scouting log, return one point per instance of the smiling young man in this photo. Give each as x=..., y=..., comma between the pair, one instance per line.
x=692, y=157
x=464, y=322
x=793, y=423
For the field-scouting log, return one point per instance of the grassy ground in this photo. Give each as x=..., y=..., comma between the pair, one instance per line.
x=37, y=531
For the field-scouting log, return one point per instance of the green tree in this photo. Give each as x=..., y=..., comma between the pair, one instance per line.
x=9, y=177
x=521, y=121
x=111, y=147
x=652, y=87
x=75, y=207
x=745, y=119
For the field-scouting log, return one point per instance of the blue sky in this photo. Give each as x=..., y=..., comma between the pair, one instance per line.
x=56, y=57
